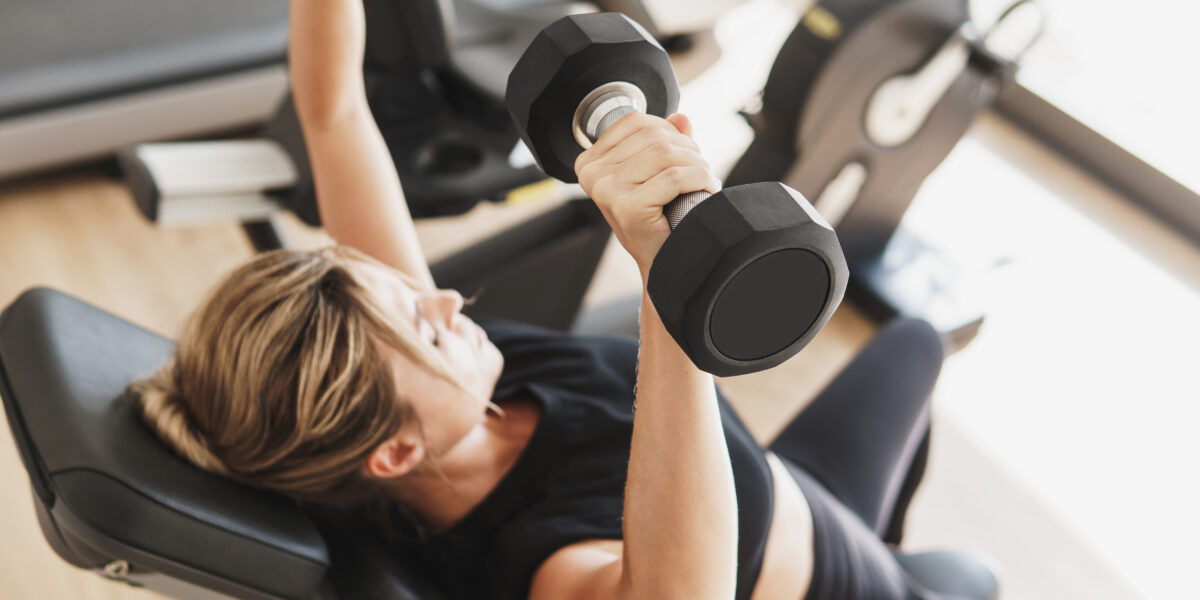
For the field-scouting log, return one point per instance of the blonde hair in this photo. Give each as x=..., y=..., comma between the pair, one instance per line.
x=279, y=380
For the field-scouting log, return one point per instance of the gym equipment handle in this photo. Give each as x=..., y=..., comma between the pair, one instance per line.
x=678, y=208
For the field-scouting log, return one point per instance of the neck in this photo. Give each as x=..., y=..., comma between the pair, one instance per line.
x=443, y=490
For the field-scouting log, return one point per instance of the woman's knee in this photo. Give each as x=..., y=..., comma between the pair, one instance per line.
x=910, y=347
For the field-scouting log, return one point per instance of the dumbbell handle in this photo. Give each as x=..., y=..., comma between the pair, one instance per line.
x=678, y=208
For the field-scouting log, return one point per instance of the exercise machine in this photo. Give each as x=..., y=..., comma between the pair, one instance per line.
x=865, y=99
x=436, y=72
x=80, y=80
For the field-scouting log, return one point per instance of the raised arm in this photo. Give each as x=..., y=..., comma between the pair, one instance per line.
x=680, y=527
x=358, y=190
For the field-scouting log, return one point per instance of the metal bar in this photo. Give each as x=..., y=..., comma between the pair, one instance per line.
x=266, y=235
x=1169, y=201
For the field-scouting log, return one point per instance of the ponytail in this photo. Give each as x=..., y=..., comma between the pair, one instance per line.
x=161, y=409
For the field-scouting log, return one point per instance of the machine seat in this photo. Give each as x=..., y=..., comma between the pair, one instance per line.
x=107, y=490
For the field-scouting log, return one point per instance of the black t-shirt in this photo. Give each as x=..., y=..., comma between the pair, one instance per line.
x=568, y=483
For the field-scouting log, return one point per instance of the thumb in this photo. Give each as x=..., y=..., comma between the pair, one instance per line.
x=682, y=123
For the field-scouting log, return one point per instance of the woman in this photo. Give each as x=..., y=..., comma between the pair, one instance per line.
x=512, y=457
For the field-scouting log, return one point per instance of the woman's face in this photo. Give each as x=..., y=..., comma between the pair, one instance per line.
x=447, y=413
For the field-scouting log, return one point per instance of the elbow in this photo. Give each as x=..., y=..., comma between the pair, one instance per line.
x=322, y=114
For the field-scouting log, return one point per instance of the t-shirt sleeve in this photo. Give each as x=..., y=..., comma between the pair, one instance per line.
x=524, y=543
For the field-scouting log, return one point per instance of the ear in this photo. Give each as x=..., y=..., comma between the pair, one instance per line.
x=396, y=456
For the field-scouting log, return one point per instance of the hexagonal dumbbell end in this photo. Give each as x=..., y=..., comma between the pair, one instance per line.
x=748, y=278
x=568, y=60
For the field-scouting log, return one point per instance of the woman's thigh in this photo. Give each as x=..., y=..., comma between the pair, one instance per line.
x=859, y=436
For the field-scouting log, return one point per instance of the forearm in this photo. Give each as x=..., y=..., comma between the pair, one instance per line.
x=680, y=504
x=367, y=212
x=358, y=191
x=325, y=54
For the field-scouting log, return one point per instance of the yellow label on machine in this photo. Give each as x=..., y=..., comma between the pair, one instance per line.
x=822, y=23
x=534, y=191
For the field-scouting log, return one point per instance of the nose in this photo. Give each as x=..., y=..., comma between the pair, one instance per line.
x=449, y=303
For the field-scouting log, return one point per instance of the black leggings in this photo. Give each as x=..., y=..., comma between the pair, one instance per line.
x=858, y=452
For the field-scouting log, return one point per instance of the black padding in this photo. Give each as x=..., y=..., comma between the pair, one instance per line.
x=408, y=35
x=108, y=488
x=57, y=52
x=369, y=568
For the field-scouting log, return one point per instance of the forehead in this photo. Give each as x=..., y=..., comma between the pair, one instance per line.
x=385, y=284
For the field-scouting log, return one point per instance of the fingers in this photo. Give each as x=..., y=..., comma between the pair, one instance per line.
x=629, y=136
x=635, y=169
x=675, y=181
x=660, y=133
x=622, y=201
x=656, y=158
x=627, y=126
x=682, y=123
x=602, y=178
x=650, y=163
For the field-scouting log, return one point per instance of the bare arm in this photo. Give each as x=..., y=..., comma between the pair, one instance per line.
x=680, y=508
x=358, y=190
x=680, y=534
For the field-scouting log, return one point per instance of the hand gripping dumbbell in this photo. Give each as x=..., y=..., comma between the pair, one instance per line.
x=750, y=274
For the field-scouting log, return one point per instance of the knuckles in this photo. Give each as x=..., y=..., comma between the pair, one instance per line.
x=674, y=176
x=586, y=170
x=665, y=152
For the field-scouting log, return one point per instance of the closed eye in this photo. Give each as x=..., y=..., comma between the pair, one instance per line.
x=420, y=320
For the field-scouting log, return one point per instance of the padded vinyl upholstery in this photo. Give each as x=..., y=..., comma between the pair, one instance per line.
x=107, y=488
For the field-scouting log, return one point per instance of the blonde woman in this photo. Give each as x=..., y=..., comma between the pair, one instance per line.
x=512, y=457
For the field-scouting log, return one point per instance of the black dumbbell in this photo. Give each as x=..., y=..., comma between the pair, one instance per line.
x=749, y=275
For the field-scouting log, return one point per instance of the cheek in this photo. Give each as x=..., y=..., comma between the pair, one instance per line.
x=450, y=418
x=494, y=364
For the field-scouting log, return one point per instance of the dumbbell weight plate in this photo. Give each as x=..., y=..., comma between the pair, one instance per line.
x=551, y=82
x=748, y=278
